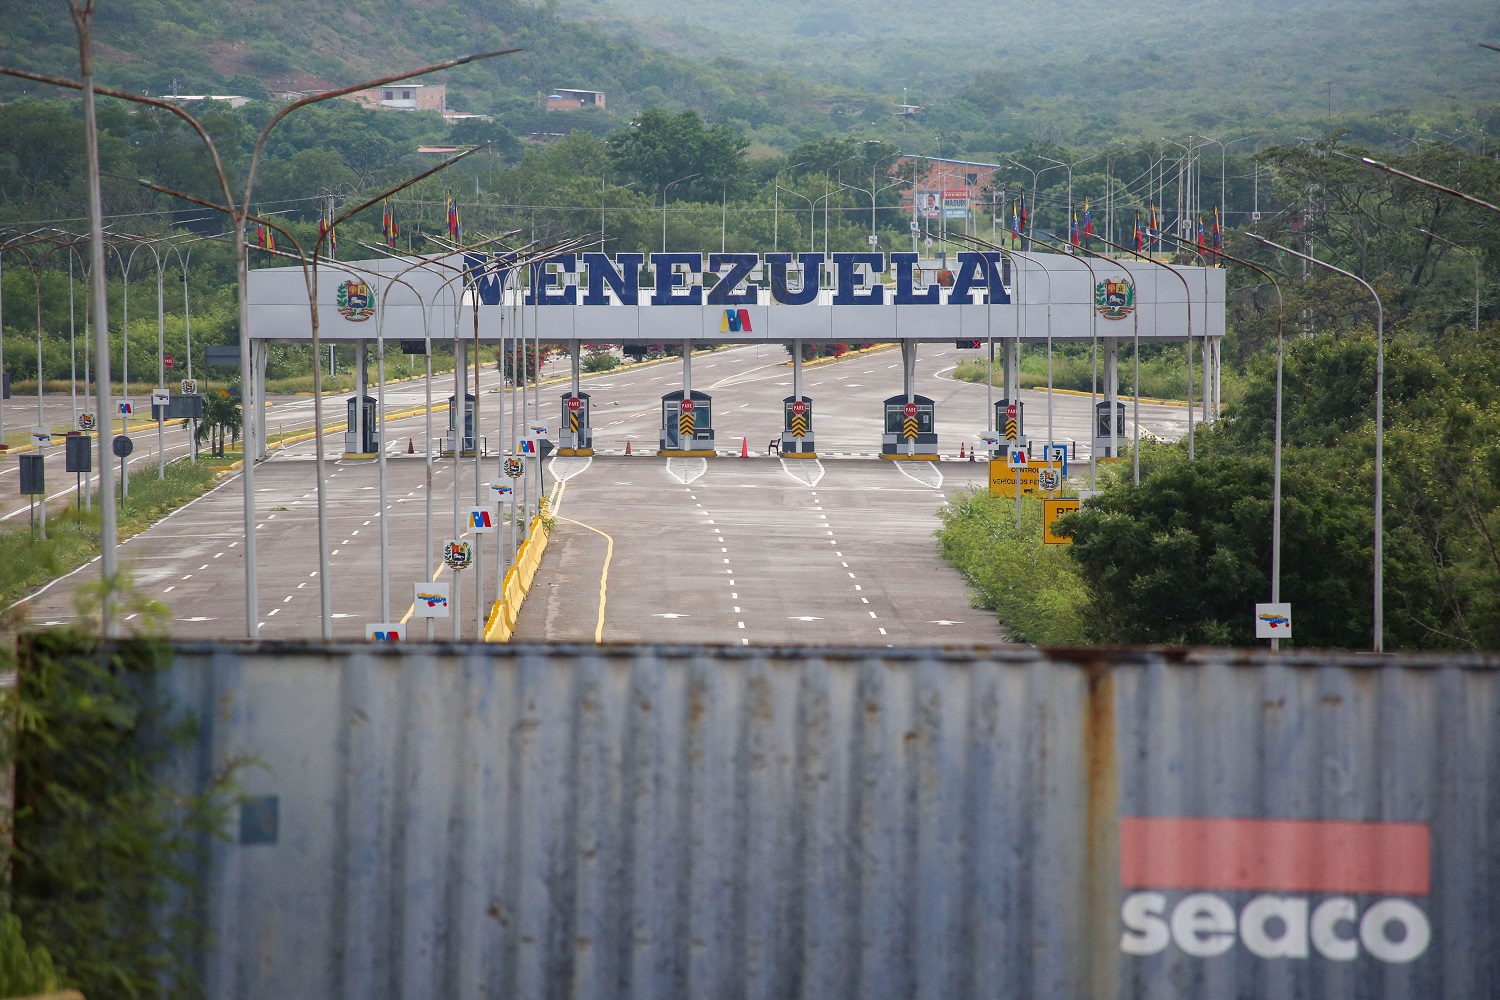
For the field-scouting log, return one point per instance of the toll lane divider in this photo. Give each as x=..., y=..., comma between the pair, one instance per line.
x=503, y=615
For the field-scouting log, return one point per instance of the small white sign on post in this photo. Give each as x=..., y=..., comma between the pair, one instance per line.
x=189, y=387
x=161, y=398
x=1016, y=458
x=500, y=491
x=430, y=600
x=480, y=521
x=1273, y=621
x=385, y=632
x=41, y=437
x=127, y=408
x=538, y=430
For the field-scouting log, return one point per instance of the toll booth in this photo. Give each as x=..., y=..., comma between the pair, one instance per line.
x=576, y=436
x=910, y=428
x=371, y=443
x=1010, y=423
x=1101, y=430
x=468, y=441
x=797, y=428
x=687, y=423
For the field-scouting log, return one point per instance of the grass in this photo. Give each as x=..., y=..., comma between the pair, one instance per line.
x=73, y=536
x=1034, y=589
x=1163, y=372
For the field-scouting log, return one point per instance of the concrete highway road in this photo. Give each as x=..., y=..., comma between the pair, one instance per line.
x=724, y=549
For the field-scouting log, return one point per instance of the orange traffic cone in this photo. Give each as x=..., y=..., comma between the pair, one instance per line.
x=410, y=450
x=627, y=446
x=961, y=445
x=744, y=447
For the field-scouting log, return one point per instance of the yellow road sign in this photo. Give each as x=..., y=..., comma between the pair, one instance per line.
x=909, y=429
x=685, y=425
x=1003, y=477
x=1011, y=431
x=1051, y=511
x=573, y=421
x=799, y=426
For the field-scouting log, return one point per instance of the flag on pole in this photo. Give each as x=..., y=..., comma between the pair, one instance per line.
x=1138, y=242
x=1074, y=238
x=388, y=227
x=1153, y=228
x=260, y=235
x=1023, y=209
x=1218, y=235
x=1202, y=243
x=1088, y=219
x=455, y=231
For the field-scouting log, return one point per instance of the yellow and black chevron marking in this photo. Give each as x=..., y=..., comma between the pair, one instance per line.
x=685, y=425
x=909, y=429
x=573, y=421
x=1011, y=431
x=799, y=425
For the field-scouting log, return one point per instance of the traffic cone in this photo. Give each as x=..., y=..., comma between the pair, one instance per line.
x=961, y=445
x=971, y=454
x=744, y=447
x=410, y=450
x=627, y=446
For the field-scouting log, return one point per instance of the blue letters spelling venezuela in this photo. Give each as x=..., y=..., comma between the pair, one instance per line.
x=678, y=279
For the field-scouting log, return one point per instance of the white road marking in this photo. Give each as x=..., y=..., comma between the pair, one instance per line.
x=925, y=473
x=170, y=589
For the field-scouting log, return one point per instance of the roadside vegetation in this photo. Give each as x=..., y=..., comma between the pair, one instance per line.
x=73, y=535
x=1163, y=371
x=102, y=848
x=1184, y=557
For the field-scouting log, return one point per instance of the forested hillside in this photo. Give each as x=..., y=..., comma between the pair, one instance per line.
x=1096, y=64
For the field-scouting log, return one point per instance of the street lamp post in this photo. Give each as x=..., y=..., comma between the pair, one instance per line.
x=664, y=191
x=1475, y=257
x=238, y=210
x=1379, y=570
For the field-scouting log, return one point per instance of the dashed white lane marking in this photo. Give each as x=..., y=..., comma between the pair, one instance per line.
x=882, y=631
x=169, y=590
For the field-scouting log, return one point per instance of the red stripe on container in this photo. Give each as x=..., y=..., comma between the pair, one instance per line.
x=1275, y=855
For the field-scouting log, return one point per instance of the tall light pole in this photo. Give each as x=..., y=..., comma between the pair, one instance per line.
x=812, y=219
x=5, y=245
x=1475, y=258
x=1379, y=572
x=239, y=211
x=664, y=191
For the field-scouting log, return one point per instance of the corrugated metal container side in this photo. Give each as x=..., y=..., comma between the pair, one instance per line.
x=658, y=822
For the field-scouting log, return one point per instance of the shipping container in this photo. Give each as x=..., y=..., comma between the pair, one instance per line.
x=661, y=822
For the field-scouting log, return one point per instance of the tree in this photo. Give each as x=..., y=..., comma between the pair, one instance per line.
x=221, y=417
x=659, y=147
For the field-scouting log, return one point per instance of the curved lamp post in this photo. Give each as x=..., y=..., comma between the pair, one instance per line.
x=1379, y=570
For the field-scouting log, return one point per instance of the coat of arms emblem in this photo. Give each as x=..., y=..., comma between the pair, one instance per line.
x=356, y=300
x=1114, y=298
x=458, y=554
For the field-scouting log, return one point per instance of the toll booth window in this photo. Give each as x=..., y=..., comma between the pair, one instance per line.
x=893, y=420
x=924, y=420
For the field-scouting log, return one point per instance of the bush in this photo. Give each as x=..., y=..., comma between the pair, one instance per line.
x=103, y=849
x=599, y=362
x=1034, y=589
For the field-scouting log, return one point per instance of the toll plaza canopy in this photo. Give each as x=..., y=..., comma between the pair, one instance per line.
x=742, y=298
